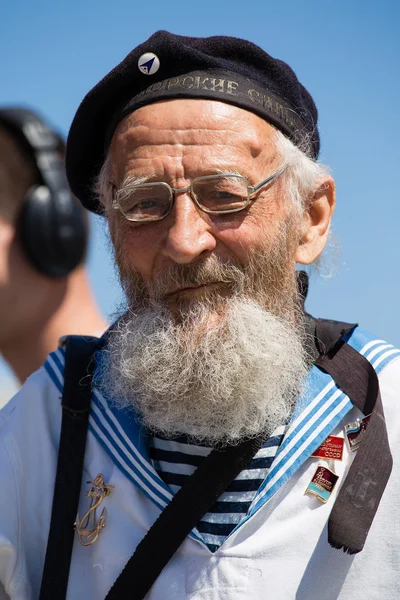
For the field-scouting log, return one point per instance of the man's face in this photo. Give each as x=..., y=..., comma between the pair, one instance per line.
x=174, y=142
x=212, y=346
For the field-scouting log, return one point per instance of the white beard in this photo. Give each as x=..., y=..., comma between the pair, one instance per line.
x=216, y=380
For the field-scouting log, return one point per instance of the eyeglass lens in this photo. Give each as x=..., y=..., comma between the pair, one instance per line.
x=152, y=201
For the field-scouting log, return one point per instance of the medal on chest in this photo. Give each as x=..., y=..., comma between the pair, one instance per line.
x=88, y=528
x=322, y=483
x=324, y=479
x=330, y=449
x=355, y=432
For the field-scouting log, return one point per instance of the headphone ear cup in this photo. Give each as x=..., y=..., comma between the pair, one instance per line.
x=52, y=233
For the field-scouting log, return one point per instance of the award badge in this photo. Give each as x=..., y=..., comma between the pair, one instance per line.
x=88, y=528
x=355, y=432
x=322, y=483
x=330, y=449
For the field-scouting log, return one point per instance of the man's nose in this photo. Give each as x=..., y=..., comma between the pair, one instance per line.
x=189, y=232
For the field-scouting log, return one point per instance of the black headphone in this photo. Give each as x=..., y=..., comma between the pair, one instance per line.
x=53, y=230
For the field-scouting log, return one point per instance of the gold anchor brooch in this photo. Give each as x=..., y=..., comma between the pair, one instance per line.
x=88, y=528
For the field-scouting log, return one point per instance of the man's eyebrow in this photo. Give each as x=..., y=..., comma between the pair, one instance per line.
x=139, y=179
x=135, y=180
x=233, y=171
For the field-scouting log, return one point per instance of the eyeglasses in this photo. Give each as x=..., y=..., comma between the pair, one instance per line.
x=212, y=194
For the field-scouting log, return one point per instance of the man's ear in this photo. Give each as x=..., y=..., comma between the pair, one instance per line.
x=317, y=221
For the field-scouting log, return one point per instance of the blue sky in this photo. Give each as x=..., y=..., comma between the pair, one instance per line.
x=345, y=53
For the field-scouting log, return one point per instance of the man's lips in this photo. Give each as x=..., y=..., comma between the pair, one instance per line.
x=191, y=288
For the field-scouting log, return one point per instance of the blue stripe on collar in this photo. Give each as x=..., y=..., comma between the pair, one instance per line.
x=54, y=367
x=134, y=465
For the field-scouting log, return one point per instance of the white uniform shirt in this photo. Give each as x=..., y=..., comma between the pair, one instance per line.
x=279, y=550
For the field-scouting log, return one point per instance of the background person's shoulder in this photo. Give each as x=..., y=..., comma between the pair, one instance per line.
x=29, y=434
x=33, y=415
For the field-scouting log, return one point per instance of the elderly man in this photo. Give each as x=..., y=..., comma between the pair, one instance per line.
x=236, y=447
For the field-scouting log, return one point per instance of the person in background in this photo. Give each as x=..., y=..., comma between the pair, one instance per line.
x=44, y=286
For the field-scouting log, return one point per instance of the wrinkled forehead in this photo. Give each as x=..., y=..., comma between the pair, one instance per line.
x=193, y=126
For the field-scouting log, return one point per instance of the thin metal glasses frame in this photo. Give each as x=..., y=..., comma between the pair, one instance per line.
x=251, y=190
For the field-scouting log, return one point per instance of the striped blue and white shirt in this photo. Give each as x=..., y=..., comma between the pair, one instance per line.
x=175, y=460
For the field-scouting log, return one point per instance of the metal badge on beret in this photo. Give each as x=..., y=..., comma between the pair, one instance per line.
x=149, y=63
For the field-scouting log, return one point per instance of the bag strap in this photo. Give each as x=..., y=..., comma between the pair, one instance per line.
x=359, y=496
x=180, y=516
x=79, y=367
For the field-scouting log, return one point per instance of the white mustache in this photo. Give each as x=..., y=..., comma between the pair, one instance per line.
x=177, y=277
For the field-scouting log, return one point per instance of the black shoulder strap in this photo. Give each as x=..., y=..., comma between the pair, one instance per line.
x=362, y=490
x=79, y=367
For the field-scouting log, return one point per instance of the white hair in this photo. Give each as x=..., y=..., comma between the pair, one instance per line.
x=302, y=176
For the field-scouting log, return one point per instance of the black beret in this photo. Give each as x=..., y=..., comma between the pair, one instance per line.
x=170, y=66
